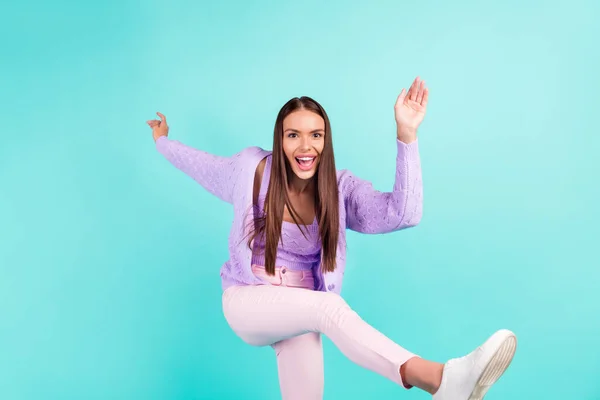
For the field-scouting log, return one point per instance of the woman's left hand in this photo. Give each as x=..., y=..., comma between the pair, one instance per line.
x=410, y=110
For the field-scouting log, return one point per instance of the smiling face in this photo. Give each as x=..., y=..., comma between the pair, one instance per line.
x=303, y=142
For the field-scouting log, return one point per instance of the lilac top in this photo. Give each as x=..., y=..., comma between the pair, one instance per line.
x=294, y=251
x=362, y=208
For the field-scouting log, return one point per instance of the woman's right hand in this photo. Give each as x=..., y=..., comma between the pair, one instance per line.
x=159, y=127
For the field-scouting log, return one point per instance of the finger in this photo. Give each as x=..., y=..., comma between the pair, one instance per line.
x=162, y=117
x=414, y=89
x=421, y=92
x=425, y=97
x=401, y=97
x=410, y=89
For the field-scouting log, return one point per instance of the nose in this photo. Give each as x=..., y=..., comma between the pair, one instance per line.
x=305, y=144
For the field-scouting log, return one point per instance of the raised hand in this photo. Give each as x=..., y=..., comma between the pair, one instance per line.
x=410, y=110
x=159, y=127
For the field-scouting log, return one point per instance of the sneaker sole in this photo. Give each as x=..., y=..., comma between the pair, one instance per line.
x=506, y=345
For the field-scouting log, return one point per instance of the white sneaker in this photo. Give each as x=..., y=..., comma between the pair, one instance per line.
x=470, y=377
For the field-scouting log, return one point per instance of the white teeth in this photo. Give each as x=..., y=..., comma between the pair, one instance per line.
x=306, y=158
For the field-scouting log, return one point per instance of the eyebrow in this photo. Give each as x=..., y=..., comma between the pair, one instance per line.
x=297, y=131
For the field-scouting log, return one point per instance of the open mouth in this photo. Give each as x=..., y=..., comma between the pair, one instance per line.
x=306, y=163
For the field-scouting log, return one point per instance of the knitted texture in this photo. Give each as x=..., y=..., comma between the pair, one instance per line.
x=361, y=208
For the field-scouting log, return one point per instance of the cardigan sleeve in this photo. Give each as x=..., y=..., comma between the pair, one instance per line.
x=217, y=174
x=371, y=211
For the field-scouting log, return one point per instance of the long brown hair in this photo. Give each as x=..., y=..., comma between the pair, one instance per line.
x=326, y=193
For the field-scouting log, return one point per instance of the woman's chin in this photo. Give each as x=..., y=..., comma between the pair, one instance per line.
x=304, y=174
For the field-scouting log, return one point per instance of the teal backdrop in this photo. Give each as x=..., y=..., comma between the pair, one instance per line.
x=110, y=257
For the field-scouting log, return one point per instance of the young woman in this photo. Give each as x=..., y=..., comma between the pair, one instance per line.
x=282, y=282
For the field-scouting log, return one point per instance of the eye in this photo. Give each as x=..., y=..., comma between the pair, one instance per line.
x=317, y=135
x=292, y=135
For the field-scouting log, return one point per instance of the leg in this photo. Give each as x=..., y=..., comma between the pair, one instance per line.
x=300, y=366
x=263, y=315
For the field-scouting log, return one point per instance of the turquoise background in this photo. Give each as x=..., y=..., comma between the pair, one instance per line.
x=110, y=257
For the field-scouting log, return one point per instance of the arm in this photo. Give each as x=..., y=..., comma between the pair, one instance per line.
x=372, y=211
x=216, y=174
